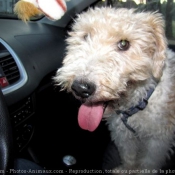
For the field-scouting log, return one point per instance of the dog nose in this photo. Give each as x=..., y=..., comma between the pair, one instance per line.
x=83, y=89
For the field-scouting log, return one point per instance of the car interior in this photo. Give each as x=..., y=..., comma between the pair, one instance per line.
x=38, y=121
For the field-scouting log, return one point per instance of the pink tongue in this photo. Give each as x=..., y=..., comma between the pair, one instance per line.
x=89, y=117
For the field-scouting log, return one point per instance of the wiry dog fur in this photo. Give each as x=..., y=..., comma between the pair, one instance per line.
x=123, y=77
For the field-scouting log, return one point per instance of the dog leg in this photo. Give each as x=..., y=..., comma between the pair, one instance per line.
x=128, y=150
x=153, y=155
x=148, y=159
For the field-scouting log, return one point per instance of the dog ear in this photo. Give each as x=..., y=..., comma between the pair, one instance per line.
x=156, y=21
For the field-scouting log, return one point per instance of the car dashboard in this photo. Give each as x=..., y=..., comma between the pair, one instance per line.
x=44, y=119
x=25, y=63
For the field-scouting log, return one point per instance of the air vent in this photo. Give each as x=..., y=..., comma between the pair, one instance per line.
x=10, y=68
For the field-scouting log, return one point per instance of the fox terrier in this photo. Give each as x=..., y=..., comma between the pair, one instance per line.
x=119, y=66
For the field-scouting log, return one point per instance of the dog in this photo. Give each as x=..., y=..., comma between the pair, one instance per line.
x=119, y=66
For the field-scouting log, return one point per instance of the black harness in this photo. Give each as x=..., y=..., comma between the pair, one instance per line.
x=141, y=105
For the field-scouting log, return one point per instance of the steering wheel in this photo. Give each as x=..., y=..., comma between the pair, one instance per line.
x=6, y=138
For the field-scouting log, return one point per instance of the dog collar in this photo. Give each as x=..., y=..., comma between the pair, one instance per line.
x=141, y=105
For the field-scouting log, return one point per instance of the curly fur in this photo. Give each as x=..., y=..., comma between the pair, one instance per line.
x=122, y=79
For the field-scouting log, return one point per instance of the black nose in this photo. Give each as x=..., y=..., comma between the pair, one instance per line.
x=83, y=89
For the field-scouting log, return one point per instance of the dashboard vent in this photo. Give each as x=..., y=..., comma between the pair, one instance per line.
x=9, y=68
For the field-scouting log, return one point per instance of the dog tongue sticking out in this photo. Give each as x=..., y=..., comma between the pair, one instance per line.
x=89, y=117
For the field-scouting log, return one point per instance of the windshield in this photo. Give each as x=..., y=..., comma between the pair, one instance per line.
x=6, y=8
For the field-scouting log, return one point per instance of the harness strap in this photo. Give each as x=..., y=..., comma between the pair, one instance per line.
x=141, y=105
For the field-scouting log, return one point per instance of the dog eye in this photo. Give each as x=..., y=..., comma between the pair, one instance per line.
x=123, y=45
x=85, y=37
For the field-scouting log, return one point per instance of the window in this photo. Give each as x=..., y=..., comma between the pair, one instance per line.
x=6, y=6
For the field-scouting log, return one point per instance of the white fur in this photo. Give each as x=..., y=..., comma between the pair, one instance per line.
x=34, y=2
x=123, y=78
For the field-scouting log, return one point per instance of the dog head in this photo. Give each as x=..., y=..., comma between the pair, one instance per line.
x=108, y=48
